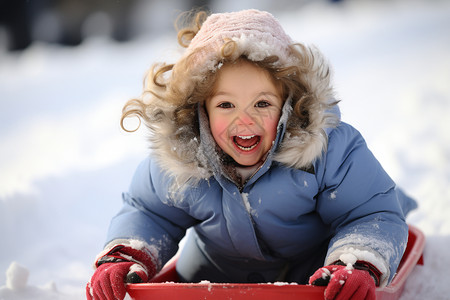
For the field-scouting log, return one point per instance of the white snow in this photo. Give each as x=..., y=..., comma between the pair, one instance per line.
x=16, y=286
x=248, y=206
x=64, y=160
x=279, y=283
x=348, y=258
x=333, y=195
x=16, y=277
x=351, y=255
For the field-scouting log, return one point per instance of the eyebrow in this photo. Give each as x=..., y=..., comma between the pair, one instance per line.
x=258, y=95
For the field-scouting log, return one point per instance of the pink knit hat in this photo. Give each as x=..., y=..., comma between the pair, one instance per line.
x=256, y=34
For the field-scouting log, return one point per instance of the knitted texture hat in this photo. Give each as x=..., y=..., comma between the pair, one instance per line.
x=256, y=34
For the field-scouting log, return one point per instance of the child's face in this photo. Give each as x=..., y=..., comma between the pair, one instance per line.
x=244, y=111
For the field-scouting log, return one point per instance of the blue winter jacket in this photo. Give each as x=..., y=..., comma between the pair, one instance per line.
x=281, y=225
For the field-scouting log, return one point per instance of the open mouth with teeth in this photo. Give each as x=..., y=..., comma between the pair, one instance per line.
x=246, y=142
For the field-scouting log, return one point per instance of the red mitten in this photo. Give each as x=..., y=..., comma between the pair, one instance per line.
x=119, y=265
x=347, y=282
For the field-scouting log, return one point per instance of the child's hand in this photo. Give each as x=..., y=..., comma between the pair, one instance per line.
x=119, y=266
x=108, y=281
x=346, y=282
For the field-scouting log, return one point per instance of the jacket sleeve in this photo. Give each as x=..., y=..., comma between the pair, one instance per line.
x=147, y=216
x=360, y=203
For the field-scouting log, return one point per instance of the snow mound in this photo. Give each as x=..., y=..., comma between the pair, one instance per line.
x=17, y=287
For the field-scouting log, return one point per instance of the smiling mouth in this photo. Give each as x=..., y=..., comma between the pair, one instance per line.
x=246, y=142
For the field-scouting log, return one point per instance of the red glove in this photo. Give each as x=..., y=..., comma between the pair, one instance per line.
x=347, y=282
x=120, y=265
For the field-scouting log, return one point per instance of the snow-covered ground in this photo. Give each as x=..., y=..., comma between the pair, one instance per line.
x=64, y=160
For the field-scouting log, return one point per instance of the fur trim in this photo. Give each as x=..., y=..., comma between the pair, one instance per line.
x=178, y=150
x=301, y=147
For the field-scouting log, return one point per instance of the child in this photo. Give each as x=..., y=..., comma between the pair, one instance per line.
x=249, y=151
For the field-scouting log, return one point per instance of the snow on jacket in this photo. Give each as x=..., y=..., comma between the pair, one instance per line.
x=319, y=194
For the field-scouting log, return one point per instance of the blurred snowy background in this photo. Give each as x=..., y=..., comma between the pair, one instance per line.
x=68, y=67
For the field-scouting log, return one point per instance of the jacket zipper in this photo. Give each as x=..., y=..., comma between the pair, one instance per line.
x=241, y=187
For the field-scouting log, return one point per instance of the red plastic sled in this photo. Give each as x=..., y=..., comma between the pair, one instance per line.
x=164, y=286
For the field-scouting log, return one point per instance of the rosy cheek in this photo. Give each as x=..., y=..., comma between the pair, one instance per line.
x=271, y=127
x=219, y=128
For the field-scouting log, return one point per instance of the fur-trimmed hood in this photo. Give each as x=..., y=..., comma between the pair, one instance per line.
x=189, y=153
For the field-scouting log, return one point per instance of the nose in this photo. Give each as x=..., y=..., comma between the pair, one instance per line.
x=244, y=118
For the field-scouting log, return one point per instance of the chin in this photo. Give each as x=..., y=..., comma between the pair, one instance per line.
x=246, y=162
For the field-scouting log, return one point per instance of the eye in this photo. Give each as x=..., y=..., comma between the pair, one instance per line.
x=262, y=104
x=225, y=105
